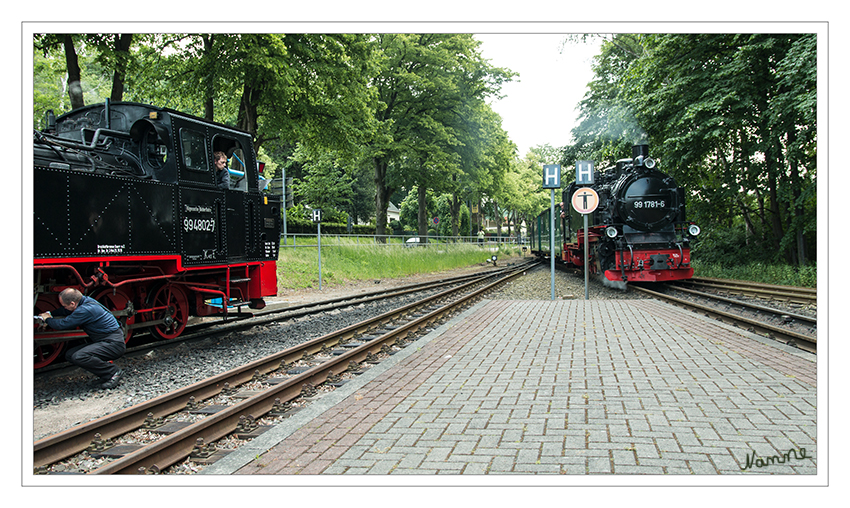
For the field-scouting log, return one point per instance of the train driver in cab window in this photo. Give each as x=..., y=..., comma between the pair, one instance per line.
x=221, y=173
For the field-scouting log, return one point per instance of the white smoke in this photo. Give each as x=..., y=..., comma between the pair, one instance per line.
x=613, y=284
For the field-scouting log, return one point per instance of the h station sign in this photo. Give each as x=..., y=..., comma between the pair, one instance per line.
x=551, y=176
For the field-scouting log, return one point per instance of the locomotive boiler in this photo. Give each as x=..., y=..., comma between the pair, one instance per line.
x=639, y=231
x=130, y=209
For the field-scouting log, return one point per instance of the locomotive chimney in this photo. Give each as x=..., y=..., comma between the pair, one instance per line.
x=640, y=150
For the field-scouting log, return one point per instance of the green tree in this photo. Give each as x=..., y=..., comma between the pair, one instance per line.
x=730, y=116
x=423, y=85
x=68, y=72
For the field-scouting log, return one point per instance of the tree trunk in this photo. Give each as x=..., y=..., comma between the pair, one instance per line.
x=382, y=197
x=75, y=87
x=797, y=191
x=422, y=217
x=498, y=219
x=773, y=193
x=455, y=209
x=122, y=54
x=209, y=92
x=247, y=117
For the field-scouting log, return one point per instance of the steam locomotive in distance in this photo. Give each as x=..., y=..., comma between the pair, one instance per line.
x=638, y=233
x=130, y=209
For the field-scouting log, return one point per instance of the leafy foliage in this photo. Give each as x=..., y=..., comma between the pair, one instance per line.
x=731, y=116
x=355, y=118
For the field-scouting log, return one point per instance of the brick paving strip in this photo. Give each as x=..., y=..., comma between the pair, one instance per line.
x=569, y=387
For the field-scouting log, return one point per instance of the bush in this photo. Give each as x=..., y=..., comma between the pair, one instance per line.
x=758, y=271
x=729, y=247
x=300, y=220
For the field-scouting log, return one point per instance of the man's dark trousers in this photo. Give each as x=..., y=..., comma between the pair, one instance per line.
x=95, y=357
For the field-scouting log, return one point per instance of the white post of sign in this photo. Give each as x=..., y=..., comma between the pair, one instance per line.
x=552, y=244
x=552, y=180
x=283, y=204
x=319, y=237
x=317, y=216
x=586, y=254
x=585, y=201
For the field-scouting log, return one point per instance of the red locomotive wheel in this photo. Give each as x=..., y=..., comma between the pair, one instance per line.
x=117, y=302
x=44, y=354
x=171, y=305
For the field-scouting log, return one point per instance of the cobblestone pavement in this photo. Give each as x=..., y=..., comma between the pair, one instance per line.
x=562, y=387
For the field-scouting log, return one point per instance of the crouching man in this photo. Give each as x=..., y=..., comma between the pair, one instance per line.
x=106, y=339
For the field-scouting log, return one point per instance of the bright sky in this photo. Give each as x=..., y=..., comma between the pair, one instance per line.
x=540, y=106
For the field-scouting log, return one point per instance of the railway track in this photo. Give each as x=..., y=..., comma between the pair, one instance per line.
x=286, y=376
x=781, y=333
x=240, y=322
x=771, y=292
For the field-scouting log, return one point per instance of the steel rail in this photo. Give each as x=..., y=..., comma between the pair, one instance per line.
x=759, y=308
x=242, y=321
x=786, y=336
x=767, y=291
x=179, y=445
x=76, y=439
x=763, y=285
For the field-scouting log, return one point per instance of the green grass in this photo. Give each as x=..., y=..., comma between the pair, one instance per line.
x=298, y=267
x=785, y=275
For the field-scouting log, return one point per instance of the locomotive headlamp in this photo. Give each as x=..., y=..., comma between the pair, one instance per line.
x=611, y=232
x=649, y=162
x=693, y=230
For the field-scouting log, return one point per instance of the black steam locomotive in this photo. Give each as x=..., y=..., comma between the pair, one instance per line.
x=130, y=209
x=639, y=231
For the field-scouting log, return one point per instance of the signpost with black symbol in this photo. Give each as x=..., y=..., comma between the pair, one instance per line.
x=552, y=180
x=584, y=201
x=317, y=218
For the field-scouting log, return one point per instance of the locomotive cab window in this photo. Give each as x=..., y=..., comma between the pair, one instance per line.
x=237, y=160
x=194, y=150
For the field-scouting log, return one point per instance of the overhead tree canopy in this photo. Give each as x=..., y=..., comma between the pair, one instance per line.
x=731, y=116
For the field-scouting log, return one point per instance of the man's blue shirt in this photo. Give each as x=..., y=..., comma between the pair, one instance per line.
x=89, y=315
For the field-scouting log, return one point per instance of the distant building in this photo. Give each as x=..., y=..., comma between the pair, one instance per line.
x=393, y=213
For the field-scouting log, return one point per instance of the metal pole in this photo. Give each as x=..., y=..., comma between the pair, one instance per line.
x=283, y=205
x=552, y=243
x=586, y=248
x=319, y=240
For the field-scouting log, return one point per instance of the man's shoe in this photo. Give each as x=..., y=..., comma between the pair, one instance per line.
x=113, y=381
